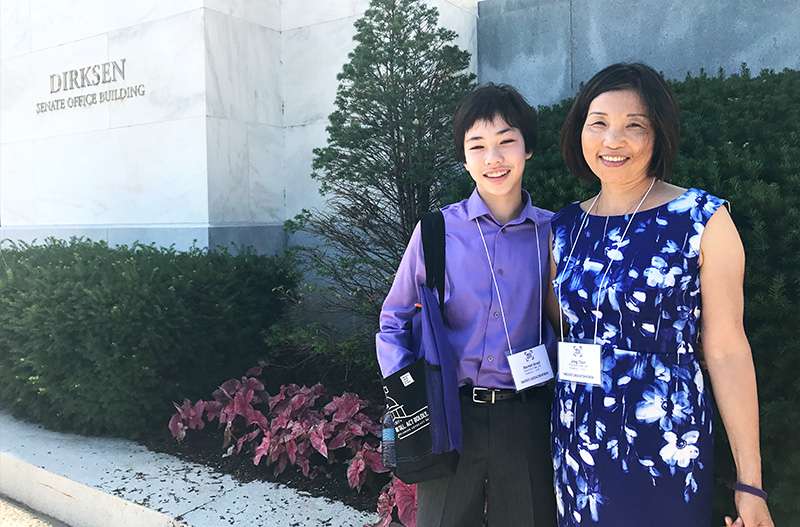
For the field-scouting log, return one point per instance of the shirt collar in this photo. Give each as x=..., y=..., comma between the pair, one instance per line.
x=476, y=208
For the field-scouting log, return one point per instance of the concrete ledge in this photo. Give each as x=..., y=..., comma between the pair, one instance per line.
x=71, y=502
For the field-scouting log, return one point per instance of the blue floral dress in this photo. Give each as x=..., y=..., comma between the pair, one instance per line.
x=638, y=450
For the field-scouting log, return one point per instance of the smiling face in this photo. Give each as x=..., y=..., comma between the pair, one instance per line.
x=495, y=159
x=617, y=137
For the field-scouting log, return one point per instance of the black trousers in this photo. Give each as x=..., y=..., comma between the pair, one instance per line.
x=505, y=474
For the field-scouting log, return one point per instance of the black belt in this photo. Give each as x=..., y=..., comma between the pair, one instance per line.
x=481, y=395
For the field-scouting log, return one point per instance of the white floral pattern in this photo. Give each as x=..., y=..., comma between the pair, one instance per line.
x=644, y=436
x=680, y=451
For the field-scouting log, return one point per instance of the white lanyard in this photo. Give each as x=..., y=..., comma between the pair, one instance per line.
x=497, y=289
x=608, y=268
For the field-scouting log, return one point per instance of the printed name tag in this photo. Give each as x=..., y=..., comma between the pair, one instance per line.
x=530, y=367
x=579, y=362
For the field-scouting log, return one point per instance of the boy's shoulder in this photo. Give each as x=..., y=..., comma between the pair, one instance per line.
x=460, y=211
x=543, y=215
x=456, y=210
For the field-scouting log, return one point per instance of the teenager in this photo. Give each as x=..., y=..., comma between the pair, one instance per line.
x=497, y=264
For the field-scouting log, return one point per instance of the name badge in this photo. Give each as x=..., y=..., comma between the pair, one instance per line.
x=578, y=362
x=530, y=367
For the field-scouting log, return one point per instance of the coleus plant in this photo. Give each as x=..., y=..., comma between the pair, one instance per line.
x=401, y=497
x=289, y=427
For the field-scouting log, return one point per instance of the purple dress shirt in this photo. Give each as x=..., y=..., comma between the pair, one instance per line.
x=475, y=325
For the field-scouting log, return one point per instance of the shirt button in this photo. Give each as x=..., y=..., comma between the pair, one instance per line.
x=500, y=272
x=496, y=314
x=490, y=358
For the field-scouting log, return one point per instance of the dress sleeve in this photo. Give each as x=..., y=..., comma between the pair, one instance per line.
x=706, y=206
x=393, y=341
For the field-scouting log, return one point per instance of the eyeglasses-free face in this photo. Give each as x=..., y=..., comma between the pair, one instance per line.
x=617, y=137
x=495, y=159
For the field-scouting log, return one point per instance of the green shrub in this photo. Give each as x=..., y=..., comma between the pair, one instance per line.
x=741, y=141
x=338, y=353
x=101, y=340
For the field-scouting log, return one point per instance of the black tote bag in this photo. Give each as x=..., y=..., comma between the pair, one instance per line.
x=423, y=396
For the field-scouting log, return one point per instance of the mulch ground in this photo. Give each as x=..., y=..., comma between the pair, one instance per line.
x=205, y=447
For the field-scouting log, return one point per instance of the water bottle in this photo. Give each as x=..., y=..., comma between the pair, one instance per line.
x=388, y=452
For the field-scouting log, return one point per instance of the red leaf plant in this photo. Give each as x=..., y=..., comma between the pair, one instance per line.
x=188, y=417
x=288, y=428
x=400, y=497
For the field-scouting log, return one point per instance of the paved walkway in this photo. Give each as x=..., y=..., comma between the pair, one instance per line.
x=13, y=514
x=187, y=491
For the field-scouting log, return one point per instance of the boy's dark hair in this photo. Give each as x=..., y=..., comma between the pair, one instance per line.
x=662, y=110
x=486, y=102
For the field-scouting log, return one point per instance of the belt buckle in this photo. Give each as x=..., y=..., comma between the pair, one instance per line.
x=475, y=390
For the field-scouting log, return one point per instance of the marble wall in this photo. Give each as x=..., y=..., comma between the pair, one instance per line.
x=548, y=47
x=244, y=116
x=217, y=144
x=120, y=170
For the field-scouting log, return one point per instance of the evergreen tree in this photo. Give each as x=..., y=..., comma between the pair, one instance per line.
x=389, y=154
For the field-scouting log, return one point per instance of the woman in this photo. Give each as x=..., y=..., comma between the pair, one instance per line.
x=632, y=419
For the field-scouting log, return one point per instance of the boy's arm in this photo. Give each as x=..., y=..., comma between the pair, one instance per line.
x=552, y=309
x=393, y=341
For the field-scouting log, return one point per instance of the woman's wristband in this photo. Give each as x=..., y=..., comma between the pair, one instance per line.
x=755, y=491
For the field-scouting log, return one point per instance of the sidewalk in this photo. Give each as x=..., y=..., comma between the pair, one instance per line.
x=13, y=514
x=183, y=491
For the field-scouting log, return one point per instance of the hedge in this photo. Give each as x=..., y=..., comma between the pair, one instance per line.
x=101, y=340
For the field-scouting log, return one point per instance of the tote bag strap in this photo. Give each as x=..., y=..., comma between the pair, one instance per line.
x=433, y=250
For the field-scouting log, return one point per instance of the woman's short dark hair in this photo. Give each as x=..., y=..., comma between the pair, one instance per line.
x=486, y=102
x=662, y=110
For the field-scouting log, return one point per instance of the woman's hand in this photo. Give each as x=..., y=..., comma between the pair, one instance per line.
x=753, y=512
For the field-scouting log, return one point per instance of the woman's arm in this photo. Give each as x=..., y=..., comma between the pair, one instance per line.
x=730, y=363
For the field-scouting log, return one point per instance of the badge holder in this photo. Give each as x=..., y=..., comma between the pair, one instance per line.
x=530, y=367
x=580, y=362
